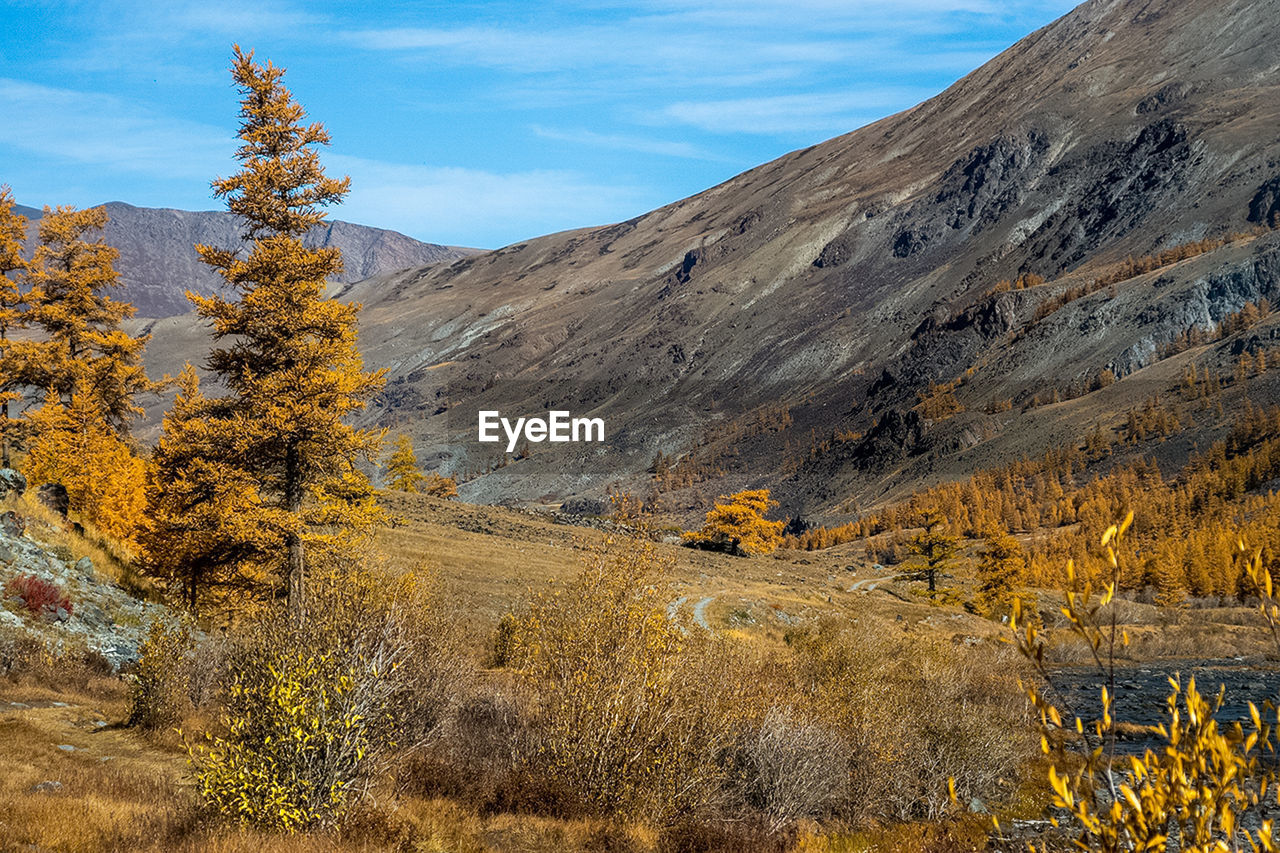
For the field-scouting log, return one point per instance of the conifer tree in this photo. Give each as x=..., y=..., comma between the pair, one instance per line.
x=1000, y=567
x=204, y=533
x=84, y=350
x=287, y=355
x=933, y=550
x=440, y=487
x=13, y=231
x=403, y=473
x=72, y=444
x=737, y=524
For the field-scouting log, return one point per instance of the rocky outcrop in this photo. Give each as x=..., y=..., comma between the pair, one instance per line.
x=11, y=482
x=101, y=616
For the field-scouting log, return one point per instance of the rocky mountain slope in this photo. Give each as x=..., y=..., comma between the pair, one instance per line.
x=782, y=328
x=158, y=264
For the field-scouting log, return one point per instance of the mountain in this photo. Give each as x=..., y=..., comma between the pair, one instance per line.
x=158, y=263
x=831, y=324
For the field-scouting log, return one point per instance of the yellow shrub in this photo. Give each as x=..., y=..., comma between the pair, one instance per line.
x=316, y=710
x=627, y=717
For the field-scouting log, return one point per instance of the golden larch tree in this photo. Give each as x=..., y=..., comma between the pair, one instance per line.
x=286, y=354
x=73, y=444
x=737, y=524
x=1001, y=566
x=933, y=550
x=204, y=535
x=13, y=231
x=403, y=473
x=440, y=487
x=83, y=347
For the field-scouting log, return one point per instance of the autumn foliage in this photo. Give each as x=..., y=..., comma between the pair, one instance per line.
x=74, y=445
x=276, y=451
x=737, y=524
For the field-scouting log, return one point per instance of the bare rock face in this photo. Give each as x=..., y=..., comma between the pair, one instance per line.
x=158, y=262
x=11, y=482
x=842, y=281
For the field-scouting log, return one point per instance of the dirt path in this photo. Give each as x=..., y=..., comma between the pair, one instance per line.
x=869, y=584
x=700, y=613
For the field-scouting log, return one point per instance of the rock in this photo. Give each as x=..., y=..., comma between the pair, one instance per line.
x=93, y=615
x=66, y=747
x=11, y=481
x=583, y=506
x=62, y=614
x=54, y=496
x=12, y=524
x=977, y=806
x=48, y=786
x=100, y=724
x=6, y=556
x=85, y=567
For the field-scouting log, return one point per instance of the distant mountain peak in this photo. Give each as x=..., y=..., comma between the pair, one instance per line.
x=158, y=263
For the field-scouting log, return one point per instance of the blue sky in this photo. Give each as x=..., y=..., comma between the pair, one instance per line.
x=472, y=123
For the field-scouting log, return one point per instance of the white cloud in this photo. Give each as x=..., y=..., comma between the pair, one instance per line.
x=624, y=142
x=823, y=112
x=442, y=204
x=108, y=132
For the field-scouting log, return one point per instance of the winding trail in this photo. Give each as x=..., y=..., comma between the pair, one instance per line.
x=700, y=612
x=868, y=584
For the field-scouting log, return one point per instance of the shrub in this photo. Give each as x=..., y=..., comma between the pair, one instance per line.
x=317, y=709
x=161, y=692
x=626, y=716
x=912, y=713
x=38, y=595
x=796, y=768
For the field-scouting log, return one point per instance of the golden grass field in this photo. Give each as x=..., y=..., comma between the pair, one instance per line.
x=121, y=790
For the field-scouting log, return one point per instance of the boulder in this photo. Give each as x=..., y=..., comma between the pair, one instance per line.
x=85, y=567
x=12, y=524
x=54, y=496
x=584, y=506
x=11, y=482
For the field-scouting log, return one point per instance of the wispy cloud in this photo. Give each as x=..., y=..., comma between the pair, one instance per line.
x=108, y=132
x=445, y=205
x=624, y=142
x=824, y=112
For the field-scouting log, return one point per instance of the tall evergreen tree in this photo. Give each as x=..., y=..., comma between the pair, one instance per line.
x=288, y=356
x=1001, y=565
x=13, y=231
x=933, y=550
x=83, y=350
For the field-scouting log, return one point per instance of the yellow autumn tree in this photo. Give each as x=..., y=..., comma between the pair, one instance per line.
x=204, y=535
x=82, y=347
x=440, y=487
x=73, y=444
x=13, y=230
x=403, y=473
x=737, y=524
x=286, y=354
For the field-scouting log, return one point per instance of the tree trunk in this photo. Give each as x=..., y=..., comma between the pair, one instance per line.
x=293, y=540
x=4, y=438
x=933, y=573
